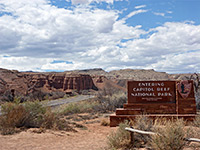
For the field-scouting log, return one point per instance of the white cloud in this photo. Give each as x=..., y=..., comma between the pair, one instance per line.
x=47, y=32
x=75, y=2
x=140, y=6
x=54, y=31
x=86, y=2
x=164, y=45
x=37, y=33
x=23, y=63
x=133, y=13
x=169, y=12
x=159, y=14
x=185, y=63
x=61, y=66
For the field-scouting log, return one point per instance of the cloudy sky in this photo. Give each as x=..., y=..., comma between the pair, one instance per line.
x=58, y=35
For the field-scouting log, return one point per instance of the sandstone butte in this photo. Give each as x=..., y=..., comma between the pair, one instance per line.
x=27, y=82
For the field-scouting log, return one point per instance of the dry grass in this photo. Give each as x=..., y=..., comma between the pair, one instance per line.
x=105, y=122
x=78, y=107
x=170, y=136
x=196, y=121
x=120, y=138
x=145, y=124
x=110, y=102
x=16, y=117
x=101, y=104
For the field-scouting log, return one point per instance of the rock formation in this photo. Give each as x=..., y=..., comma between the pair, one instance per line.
x=25, y=83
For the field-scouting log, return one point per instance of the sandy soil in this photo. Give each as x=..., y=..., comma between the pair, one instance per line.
x=92, y=138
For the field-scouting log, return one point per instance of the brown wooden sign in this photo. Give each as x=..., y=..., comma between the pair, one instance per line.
x=169, y=99
x=151, y=91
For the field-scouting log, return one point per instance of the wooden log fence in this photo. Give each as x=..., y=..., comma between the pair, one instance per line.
x=132, y=131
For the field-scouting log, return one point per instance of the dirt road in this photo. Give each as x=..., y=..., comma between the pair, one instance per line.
x=54, y=103
x=77, y=98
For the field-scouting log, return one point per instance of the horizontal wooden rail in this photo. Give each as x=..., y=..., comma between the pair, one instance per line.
x=192, y=139
x=139, y=131
x=153, y=133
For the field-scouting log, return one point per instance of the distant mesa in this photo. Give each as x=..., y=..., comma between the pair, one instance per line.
x=25, y=83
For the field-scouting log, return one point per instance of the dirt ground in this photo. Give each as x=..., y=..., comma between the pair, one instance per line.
x=93, y=138
x=90, y=135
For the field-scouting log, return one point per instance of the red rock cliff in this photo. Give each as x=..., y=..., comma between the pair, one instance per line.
x=25, y=83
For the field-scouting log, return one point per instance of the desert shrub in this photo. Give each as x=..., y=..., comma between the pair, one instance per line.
x=28, y=115
x=118, y=99
x=196, y=121
x=35, y=112
x=56, y=95
x=7, y=96
x=105, y=122
x=107, y=92
x=13, y=115
x=142, y=122
x=36, y=95
x=78, y=107
x=170, y=136
x=72, y=108
x=85, y=92
x=52, y=121
x=111, y=102
x=20, y=99
x=104, y=104
x=120, y=138
x=145, y=124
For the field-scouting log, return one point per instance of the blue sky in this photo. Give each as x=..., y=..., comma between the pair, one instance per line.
x=59, y=35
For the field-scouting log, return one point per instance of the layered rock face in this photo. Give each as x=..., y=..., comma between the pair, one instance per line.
x=26, y=83
x=120, y=77
x=60, y=81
